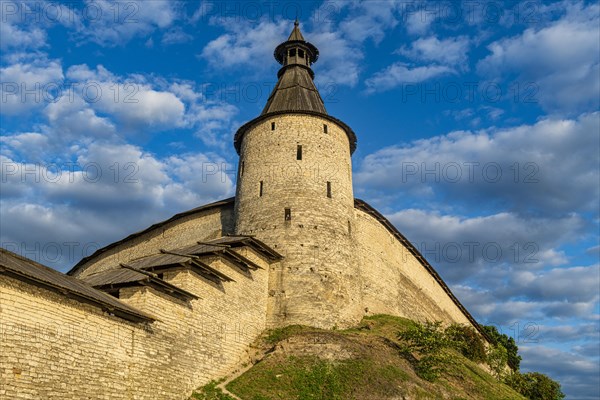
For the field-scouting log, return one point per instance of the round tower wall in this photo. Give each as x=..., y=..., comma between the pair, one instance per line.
x=317, y=281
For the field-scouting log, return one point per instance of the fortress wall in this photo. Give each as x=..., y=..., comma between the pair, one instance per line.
x=316, y=283
x=53, y=347
x=56, y=348
x=394, y=281
x=204, y=225
x=227, y=318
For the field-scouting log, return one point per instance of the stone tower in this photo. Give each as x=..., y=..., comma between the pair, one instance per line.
x=294, y=191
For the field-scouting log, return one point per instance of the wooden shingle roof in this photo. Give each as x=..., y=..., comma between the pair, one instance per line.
x=296, y=34
x=33, y=272
x=295, y=91
x=128, y=276
x=252, y=242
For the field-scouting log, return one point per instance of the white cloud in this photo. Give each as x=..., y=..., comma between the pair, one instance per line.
x=133, y=102
x=245, y=43
x=561, y=59
x=566, y=333
x=418, y=23
x=339, y=62
x=445, y=57
x=175, y=36
x=73, y=119
x=550, y=285
x=81, y=201
x=33, y=144
x=463, y=247
x=452, y=51
x=551, y=166
x=339, y=42
x=20, y=37
x=148, y=107
x=29, y=84
x=95, y=103
x=400, y=73
x=203, y=10
x=114, y=23
x=503, y=311
x=368, y=20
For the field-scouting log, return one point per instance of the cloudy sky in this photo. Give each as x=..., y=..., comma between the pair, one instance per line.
x=477, y=123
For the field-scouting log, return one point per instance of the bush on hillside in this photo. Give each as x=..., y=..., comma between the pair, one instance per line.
x=512, y=350
x=467, y=341
x=497, y=358
x=427, y=341
x=535, y=386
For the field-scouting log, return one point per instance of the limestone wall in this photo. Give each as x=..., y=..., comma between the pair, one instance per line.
x=394, y=281
x=203, y=225
x=317, y=282
x=53, y=347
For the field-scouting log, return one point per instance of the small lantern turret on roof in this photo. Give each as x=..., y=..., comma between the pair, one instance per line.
x=295, y=89
x=296, y=51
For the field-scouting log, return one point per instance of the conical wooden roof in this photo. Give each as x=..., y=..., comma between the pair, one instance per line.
x=296, y=34
x=295, y=91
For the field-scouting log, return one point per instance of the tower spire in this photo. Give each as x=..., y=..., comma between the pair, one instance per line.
x=296, y=34
x=295, y=89
x=295, y=92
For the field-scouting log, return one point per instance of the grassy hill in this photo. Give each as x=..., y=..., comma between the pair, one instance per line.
x=363, y=363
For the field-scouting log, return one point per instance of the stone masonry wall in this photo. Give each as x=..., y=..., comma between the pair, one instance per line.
x=394, y=281
x=317, y=281
x=53, y=347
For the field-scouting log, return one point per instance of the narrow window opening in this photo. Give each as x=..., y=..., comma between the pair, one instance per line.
x=329, y=189
x=288, y=214
x=325, y=128
x=272, y=126
x=300, y=53
x=293, y=53
x=349, y=227
x=299, y=152
x=242, y=169
x=260, y=189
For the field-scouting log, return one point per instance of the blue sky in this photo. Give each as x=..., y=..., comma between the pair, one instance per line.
x=477, y=124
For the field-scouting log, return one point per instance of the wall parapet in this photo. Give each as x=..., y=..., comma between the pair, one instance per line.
x=365, y=207
x=35, y=273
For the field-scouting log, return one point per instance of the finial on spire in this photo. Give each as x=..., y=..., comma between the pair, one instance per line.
x=296, y=34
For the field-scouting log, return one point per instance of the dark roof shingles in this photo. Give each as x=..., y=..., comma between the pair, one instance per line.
x=295, y=91
x=22, y=267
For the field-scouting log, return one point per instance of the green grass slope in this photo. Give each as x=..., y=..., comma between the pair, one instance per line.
x=363, y=363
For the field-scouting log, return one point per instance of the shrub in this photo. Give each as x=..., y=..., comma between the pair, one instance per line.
x=467, y=341
x=427, y=341
x=535, y=386
x=512, y=350
x=497, y=358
